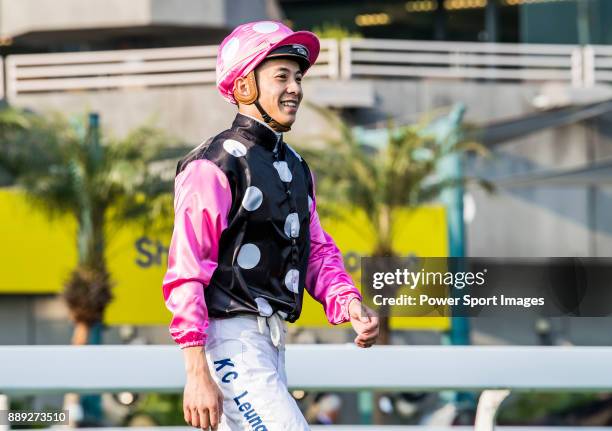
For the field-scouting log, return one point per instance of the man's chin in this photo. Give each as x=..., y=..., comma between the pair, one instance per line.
x=286, y=119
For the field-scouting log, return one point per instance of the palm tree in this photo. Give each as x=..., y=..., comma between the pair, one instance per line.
x=68, y=168
x=378, y=180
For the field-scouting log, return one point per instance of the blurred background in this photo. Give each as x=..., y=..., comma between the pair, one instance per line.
x=500, y=109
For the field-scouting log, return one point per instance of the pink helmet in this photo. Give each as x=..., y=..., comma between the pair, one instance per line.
x=249, y=44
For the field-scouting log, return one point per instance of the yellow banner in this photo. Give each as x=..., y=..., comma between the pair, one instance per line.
x=38, y=255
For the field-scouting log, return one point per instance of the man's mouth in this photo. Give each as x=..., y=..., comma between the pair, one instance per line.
x=290, y=104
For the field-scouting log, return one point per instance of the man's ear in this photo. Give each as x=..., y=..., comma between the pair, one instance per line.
x=245, y=89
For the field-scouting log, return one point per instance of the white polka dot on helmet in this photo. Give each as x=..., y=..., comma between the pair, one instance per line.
x=249, y=44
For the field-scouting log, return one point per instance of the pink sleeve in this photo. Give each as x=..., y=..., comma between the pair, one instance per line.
x=202, y=199
x=326, y=279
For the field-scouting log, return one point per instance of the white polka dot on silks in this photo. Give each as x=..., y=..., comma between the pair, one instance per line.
x=265, y=27
x=252, y=198
x=248, y=256
x=264, y=307
x=235, y=148
x=292, y=225
x=229, y=50
x=292, y=280
x=283, y=171
x=310, y=203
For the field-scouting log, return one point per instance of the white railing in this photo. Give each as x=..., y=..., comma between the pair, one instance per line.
x=328, y=62
x=494, y=370
x=373, y=428
x=399, y=58
x=28, y=73
x=579, y=66
x=109, y=69
x=599, y=63
x=45, y=369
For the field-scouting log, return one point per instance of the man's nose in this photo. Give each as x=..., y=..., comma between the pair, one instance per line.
x=295, y=88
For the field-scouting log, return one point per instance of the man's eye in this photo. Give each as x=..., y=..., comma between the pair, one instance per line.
x=281, y=76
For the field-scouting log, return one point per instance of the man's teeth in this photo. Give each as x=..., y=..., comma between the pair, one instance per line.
x=290, y=104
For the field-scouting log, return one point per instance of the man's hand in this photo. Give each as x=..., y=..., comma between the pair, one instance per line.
x=365, y=323
x=202, y=399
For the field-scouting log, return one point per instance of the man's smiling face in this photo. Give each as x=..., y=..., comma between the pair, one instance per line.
x=279, y=81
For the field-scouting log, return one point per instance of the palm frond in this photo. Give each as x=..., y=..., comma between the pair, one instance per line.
x=67, y=166
x=401, y=173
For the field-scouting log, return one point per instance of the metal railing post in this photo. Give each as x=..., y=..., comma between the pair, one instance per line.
x=588, y=65
x=488, y=406
x=345, y=58
x=334, y=59
x=4, y=406
x=10, y=78
x=577, y=68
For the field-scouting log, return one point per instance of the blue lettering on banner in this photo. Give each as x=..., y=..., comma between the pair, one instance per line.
x=150, y=252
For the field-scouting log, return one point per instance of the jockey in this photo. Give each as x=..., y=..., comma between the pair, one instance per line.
x=247, y=242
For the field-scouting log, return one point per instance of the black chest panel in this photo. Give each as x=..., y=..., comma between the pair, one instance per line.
x=263, y=253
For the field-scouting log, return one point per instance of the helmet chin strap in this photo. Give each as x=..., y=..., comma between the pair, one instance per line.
x=253, y=99
x=271, y=121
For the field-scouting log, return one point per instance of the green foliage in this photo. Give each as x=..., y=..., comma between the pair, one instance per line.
x=533, y=407
x=164, y=409
x=335, y=31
